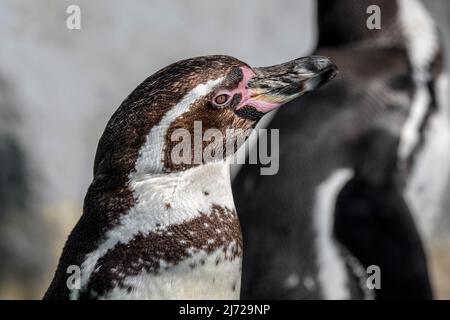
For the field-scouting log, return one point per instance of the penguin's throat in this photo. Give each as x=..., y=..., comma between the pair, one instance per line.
x=184, y=193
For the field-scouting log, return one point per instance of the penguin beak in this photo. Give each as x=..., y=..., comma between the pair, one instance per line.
x=274, y=86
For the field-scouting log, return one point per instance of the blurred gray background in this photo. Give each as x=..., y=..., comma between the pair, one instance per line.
x=58, y=88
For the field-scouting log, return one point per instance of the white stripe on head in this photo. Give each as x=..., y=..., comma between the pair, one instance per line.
x=151, y=156
x=332, y=271
x=419, y=29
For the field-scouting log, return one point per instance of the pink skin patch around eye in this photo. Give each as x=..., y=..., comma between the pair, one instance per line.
x=247, y=98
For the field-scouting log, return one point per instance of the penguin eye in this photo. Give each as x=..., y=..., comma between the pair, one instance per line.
x=221, y=99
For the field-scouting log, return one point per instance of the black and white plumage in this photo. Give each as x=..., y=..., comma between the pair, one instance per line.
x=387, y=87
x=153, y=228
x=374, y=223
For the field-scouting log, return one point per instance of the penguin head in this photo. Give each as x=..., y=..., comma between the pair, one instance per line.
x=236, y=99
x=199, y=102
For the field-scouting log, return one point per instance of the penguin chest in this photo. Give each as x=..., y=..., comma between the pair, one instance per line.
x=181, y=240
x=199, y=258
x=202, y=276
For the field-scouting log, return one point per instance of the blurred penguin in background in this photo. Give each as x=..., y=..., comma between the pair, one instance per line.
x=373, y=221
x=371, y=147
x=24, y=235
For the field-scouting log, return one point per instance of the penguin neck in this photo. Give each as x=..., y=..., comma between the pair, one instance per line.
x=187, y=193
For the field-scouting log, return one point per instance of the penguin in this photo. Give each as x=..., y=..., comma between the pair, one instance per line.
x=373, y=221
x=157, y=227
x=24, y=234
x=387, y=85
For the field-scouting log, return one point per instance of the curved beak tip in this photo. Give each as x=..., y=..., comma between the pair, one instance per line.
x=321, y=70
x=279, y=84
x=323, y=66
x=330, y=72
